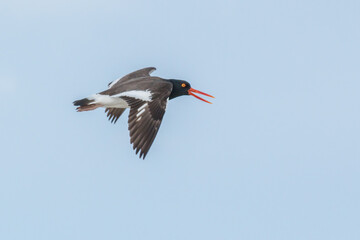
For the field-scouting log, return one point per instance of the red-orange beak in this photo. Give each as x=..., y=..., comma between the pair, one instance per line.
x=191, y=92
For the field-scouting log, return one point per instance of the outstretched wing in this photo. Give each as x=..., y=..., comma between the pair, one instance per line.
x=145, y=119
x=145, y=72
x=114, y=113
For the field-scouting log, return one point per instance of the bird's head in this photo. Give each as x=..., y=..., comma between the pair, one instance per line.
x=181, y=87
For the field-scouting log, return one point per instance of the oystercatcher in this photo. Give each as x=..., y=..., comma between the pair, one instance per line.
x=146, y=96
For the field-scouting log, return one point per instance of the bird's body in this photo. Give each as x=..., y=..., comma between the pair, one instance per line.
x=147, y=98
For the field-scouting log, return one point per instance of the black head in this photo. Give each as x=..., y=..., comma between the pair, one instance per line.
x=181, y=87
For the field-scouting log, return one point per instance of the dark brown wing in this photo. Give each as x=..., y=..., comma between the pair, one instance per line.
x=144, y=122
x=145, y=72
x=114, y=113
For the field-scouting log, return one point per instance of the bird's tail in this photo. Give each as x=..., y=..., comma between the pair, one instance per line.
x=85, y=104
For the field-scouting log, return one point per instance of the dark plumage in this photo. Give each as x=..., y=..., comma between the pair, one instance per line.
x=146, y=96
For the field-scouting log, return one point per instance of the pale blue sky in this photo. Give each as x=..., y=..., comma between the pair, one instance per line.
x=275, y=157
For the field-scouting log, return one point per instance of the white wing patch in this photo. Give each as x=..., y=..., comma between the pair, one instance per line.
x=167, y=102
x=140, y=110
x=142, y=95
x=143, y=106
x=139, y=113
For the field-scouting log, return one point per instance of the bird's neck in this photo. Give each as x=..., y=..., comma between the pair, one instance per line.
x=175, y=90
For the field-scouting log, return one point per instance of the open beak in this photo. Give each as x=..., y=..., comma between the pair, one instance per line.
x=191, y=92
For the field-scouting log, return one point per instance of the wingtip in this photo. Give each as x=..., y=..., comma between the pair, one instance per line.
x=142, y=155
x=152, y=69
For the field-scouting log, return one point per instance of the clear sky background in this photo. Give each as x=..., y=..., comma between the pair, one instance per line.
x=275, y=157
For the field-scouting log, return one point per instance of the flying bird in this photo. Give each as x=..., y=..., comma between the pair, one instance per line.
x=147, y=98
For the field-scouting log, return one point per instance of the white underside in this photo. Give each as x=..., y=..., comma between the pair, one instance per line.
x=108, y=101
x=115, y=101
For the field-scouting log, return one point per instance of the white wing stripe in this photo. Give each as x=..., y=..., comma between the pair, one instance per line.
x=139, y=113
x=143, y=106
x=142, y=95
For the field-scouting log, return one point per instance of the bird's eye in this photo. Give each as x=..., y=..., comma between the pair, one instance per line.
x=183, y=85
